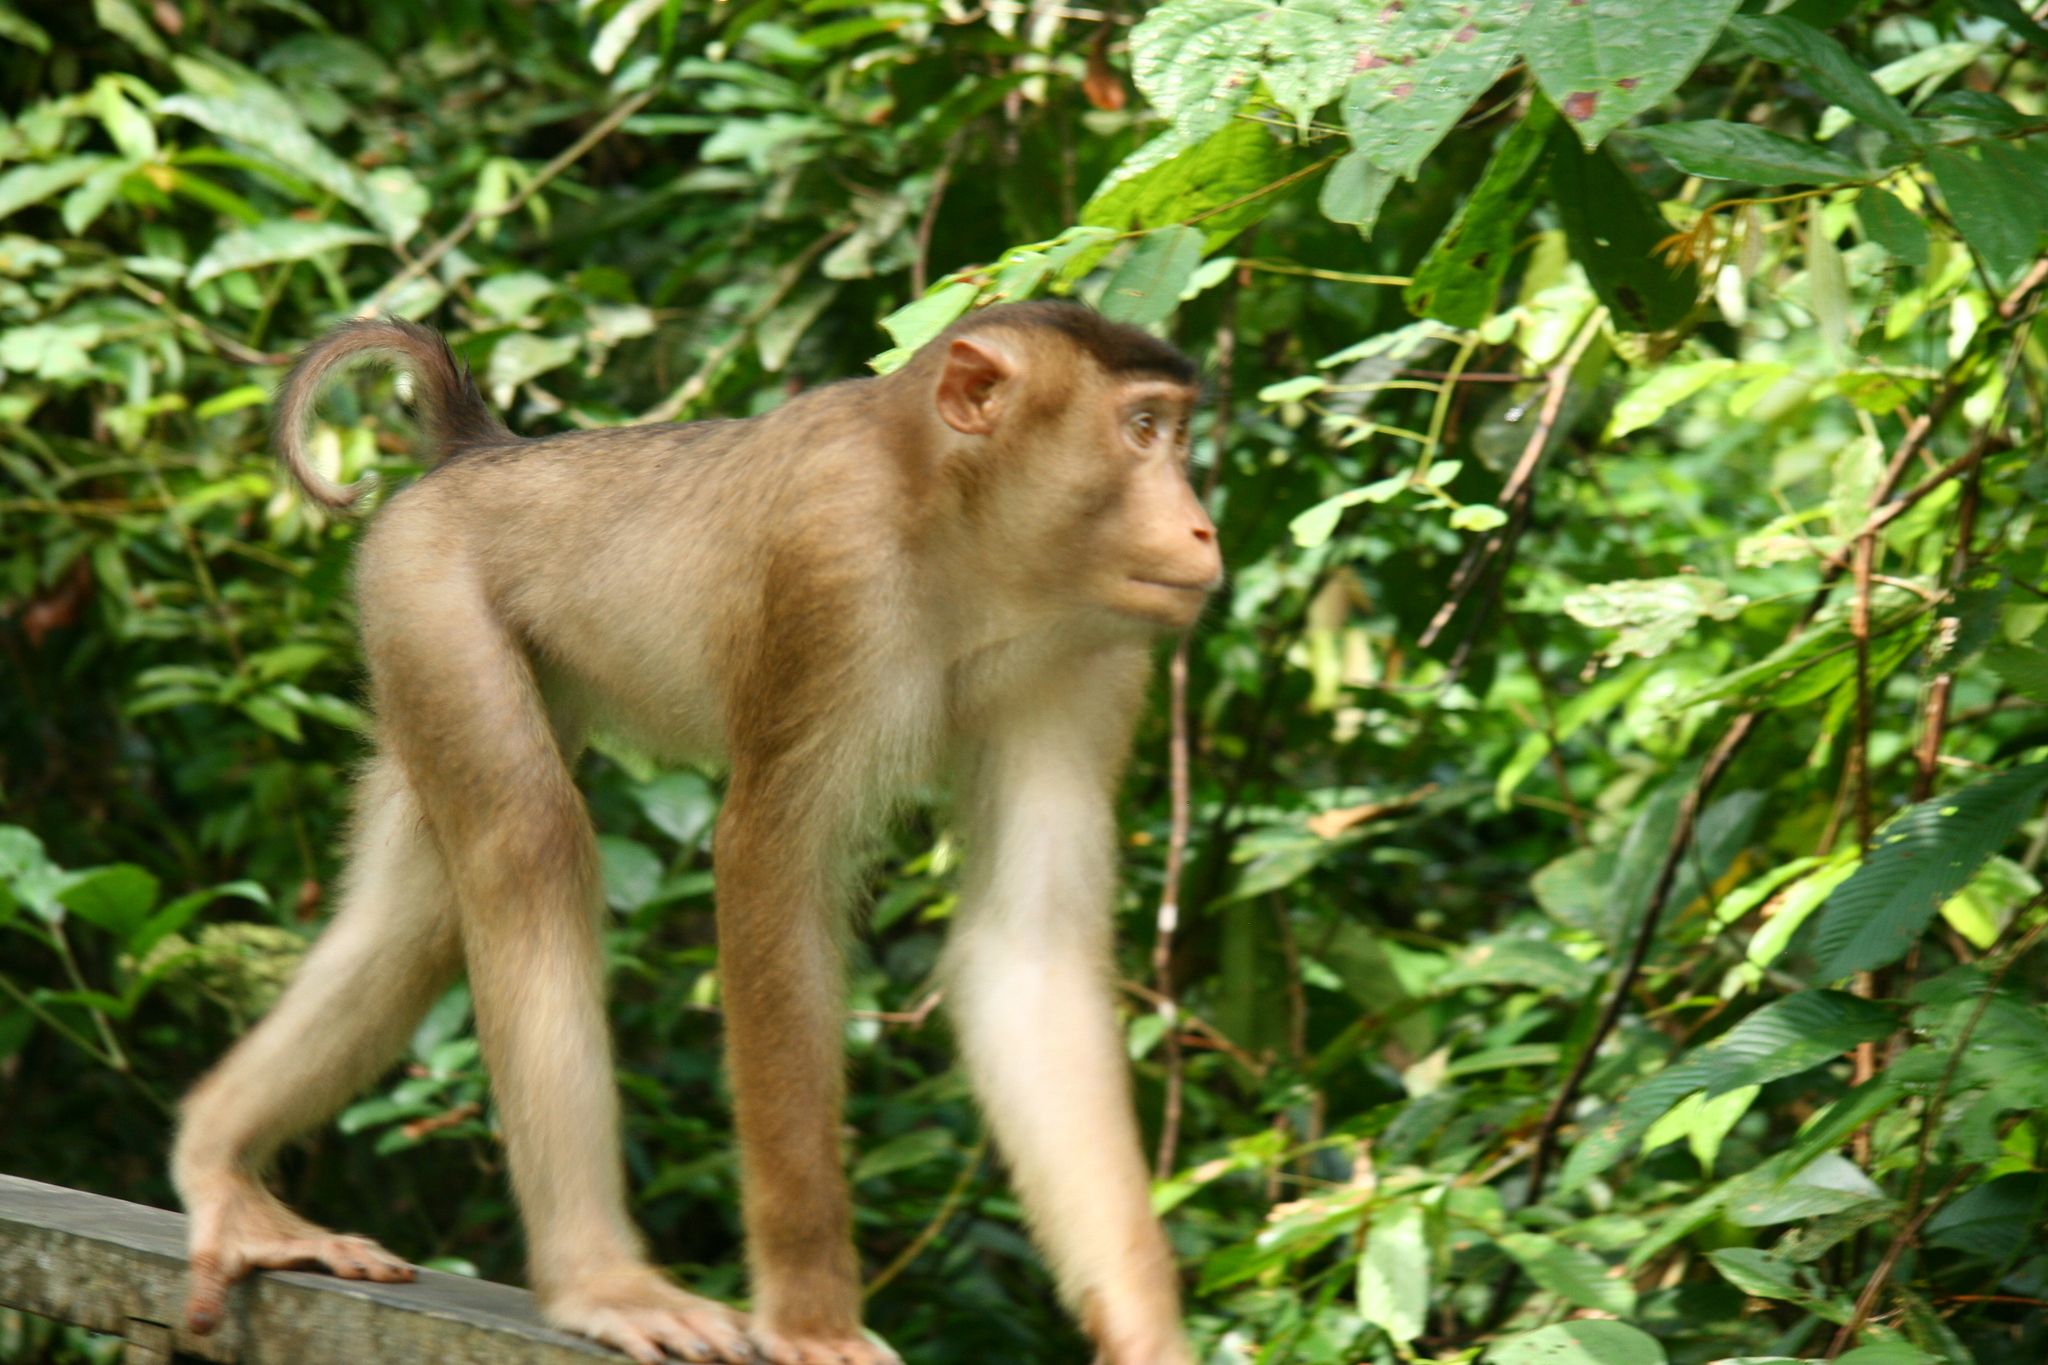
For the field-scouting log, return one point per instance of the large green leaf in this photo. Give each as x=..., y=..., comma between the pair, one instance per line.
x=1998, y=207
x=1231, y=164
x=1198, y=61
x=1921, y=859
x=1613, y=230
x=1461, y=276
x=280, y=239
x=1604, y=61
x=1586, y=1341
x=1418, y=70
x=1577, y=1276
x=1393, y=1272
x=1524, y=963
x=2023, y=668
x=1995, y=1219
x=37, y=181
x=1720, y=149
x=117, y=899
x=1781, y=1039
x=1828, y=67
x=1146, y=288
x=1792, y=1035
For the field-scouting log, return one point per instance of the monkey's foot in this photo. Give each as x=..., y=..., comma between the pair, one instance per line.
x=638, y=1311
x=249, y=1230
x=796, y=1348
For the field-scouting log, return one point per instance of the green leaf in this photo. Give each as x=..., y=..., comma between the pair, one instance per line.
x=1889, y=1353
x=179, y=913
x=1613, y=231
x=918, y=321
x=1828, y=67
x=1759, y=1273
x=2000, y=211
x=1604, y=61
x=16, y=28
x=1587, y=1341
x=1791, y=1035
x=272, y=714
x=1152, y=191
x=1146, y=288
x=1198, y=61
x=234, y=400
x=1922, y=858
x=1651, y=614
x=117, y=899
x=1781, y=1039
x=37, y=181
x=1720, y=149
x=1893, y=226
x=681, y=805
x=1829, y=1183
x=1419, y=68
x=631, y=872
x=1993, y=1220
x=1354, y=190
x=1577, y=1276
x=1461, y=276
x=239, y=105
x=1833, y=1126
x=914, y=1148
x=1393, y=1272
x=2014, y=16
x=1524, y=963
x=280, y=239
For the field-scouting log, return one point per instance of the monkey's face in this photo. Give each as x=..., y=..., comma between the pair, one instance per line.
x=1085, y=476
x=1152, y=542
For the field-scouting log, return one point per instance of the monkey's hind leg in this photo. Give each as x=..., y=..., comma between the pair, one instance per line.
x=388, y=953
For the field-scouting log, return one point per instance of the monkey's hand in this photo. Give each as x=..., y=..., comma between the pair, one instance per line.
x=247, y=1229
x=637, y=1310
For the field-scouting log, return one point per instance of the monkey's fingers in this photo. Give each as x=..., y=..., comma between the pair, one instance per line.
x=208, y=1295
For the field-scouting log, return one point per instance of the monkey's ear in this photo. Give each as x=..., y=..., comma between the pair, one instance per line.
x=967, y=398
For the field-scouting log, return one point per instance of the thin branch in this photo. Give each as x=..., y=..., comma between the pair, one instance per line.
x=930, y=217
x=1568, y=1093
x=938, y=1222
x=693, y=388
x=1169, y=902
x=568, y=157
x=1467, y=575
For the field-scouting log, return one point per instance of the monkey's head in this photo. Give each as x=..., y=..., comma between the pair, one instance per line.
x=1068, y=436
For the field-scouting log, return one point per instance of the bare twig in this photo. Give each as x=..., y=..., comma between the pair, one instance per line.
x=691, y=389
x=1674, y=855
x=1559, y=380
x=1169, y=902
x=915, y=1016
x=930, y=217
x=938, y=1222
x=234, y=349
x=569, y=156
x=2028, y=283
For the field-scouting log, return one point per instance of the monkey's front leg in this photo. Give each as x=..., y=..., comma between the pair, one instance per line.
x=781, y=987
x=1028, y=975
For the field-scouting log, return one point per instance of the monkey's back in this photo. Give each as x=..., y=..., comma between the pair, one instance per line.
x=757, y=539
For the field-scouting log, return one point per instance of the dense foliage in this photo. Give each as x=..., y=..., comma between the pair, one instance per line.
x=1615, y=772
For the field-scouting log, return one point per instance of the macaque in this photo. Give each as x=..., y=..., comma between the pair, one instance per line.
x=954, y=572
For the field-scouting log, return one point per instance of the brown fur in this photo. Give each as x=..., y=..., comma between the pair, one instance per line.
x=953, y=571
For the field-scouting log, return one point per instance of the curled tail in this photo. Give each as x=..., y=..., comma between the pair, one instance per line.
x=444, y=395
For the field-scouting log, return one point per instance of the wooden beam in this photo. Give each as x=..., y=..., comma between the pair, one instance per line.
x=119, y=1268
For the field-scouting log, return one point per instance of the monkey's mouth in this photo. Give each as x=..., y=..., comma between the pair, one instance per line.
x=1171, y=587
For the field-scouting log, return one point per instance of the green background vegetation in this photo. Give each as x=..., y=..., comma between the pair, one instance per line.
x=1620, y=751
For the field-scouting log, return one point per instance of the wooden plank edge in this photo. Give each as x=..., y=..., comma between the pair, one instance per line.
x=115, y=1267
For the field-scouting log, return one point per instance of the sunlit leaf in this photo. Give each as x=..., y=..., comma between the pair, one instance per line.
x=1922, y=858
x=1419, y=67
x=1393, y=1272
x=1720, y=149
x=280, y=239
x=1604, y=61
x=1198, y=61
x=1576, y=1276
x=1584, y=1341
x=1146, y=288
x=1828, y=67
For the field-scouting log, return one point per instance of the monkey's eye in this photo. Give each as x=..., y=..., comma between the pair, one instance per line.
x=1144, y=427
